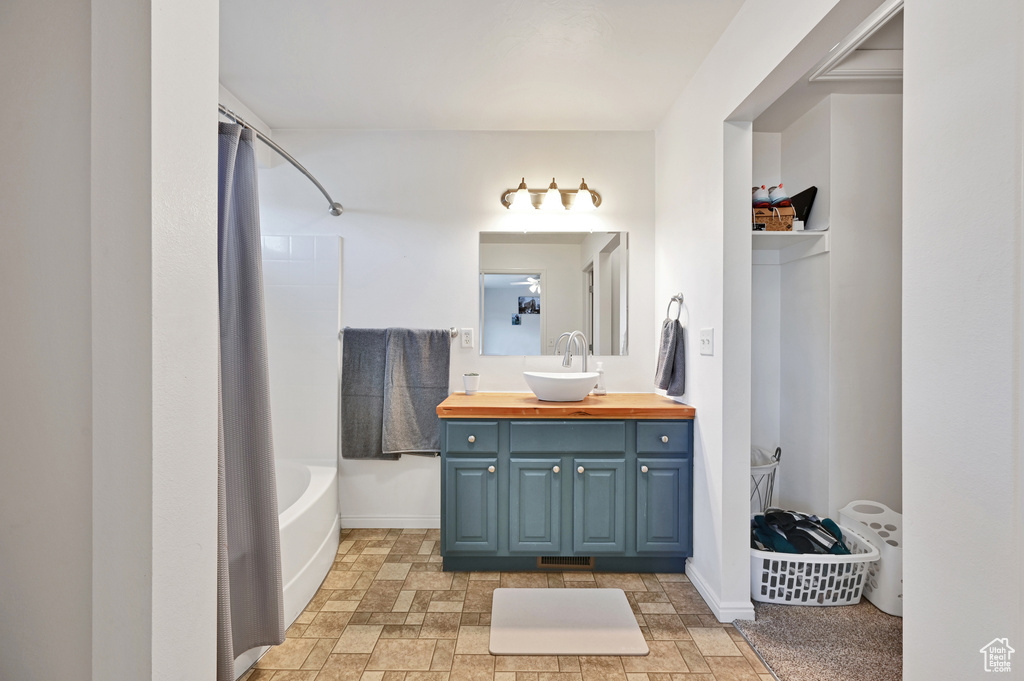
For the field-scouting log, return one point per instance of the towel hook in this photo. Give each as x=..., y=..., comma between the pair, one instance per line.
x=677, y=298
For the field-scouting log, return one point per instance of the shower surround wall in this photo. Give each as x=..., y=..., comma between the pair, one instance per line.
x=300, y=290
x=415, y=203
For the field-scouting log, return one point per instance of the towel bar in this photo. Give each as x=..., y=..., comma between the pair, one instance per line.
x=453, y=332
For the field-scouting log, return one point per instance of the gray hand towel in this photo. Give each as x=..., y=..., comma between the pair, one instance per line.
x=363, y=360
x=671, y=372
x=416, y=382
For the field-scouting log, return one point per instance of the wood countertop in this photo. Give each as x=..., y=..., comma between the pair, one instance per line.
x=520, y=405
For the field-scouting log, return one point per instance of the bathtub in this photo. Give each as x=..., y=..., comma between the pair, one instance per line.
x=307, y=502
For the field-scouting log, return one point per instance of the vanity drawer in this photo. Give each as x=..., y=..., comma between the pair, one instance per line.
x=591, y=437
x=663, y=437
x=472, y=437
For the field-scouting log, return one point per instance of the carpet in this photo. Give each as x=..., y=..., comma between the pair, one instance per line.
x=840, y=643
x=564, y=622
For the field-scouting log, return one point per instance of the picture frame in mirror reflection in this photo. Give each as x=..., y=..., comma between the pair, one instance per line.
x=554, y=282
x=529, y=304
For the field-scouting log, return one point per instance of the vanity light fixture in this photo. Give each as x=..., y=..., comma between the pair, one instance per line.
x=551, y=198
x=585, y=199
x=520, y=197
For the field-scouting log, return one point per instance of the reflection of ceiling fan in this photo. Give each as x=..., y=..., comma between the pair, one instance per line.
x=532, y=282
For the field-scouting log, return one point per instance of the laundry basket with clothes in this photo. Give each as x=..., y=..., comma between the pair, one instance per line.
x=801, y=559
x=794, y=532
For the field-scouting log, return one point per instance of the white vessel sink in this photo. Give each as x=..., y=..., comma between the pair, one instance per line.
x=560, y=387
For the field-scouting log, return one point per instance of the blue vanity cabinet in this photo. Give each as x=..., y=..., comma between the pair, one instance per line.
x=663, y=503
x=535, y=506
x=471, y=504
x=599, y=506
x=528, y=492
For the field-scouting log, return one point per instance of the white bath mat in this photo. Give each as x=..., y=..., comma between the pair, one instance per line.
x=564, y=622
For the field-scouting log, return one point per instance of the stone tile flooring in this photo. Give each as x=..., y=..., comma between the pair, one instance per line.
x=386, y=612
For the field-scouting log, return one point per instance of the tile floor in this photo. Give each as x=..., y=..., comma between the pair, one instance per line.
x=386, y=612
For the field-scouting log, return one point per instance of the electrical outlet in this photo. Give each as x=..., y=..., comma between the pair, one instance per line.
x=467, y=337
x=707, y=341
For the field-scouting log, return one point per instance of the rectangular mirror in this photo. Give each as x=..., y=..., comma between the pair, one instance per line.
x=535, y=286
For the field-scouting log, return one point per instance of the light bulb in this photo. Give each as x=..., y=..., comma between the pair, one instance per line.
x=584, y=199
x=521, y=199
x=553, y=198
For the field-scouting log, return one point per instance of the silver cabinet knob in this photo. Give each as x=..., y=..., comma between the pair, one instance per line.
x=471, y=438
x=490, y=469
x=580, y=469
x=555, y=469
x=644, y=469
x=664, y=438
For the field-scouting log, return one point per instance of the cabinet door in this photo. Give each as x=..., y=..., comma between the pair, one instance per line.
x=471, y=504
x=599, y=506
x=663, y=505
x=535, y=502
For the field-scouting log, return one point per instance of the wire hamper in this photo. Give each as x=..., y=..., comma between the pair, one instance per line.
x=812, y=578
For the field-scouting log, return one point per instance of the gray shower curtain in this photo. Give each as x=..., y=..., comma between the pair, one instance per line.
x=250, y=604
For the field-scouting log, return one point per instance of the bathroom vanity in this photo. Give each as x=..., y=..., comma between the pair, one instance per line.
x=605, y=483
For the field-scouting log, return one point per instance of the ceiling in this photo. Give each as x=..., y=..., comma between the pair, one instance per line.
x=465, y=64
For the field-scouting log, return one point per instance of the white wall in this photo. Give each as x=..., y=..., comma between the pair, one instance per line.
x=45, y=403
x=865, y=428
x=108, y=295
x=767, y=159
x=962, y=346
x=805, y=348
x=765, y=328
x=765, y=339
x=155, y=337
x=804, y=393
x=806, y=160
x=300, y=284
x=415, y=203
x=703, y=168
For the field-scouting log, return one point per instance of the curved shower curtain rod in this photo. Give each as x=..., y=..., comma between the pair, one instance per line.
x=334, y=207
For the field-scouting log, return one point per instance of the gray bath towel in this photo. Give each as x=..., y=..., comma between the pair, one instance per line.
x=416, y=382
x=671, y=372
x=363, y=361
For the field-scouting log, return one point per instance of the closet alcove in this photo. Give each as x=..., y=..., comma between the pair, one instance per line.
x=825, y=330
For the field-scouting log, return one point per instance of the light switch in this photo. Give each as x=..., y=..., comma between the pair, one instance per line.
x=467, y=337
x=707, y=341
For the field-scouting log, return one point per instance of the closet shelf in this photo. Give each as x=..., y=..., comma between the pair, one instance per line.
x=779, y=248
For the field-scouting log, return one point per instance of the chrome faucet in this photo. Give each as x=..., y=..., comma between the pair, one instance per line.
x=578, y=340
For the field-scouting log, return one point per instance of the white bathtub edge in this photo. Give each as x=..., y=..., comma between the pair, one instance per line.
x=300, y=591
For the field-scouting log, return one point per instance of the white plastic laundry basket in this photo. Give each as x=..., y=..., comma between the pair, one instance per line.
x=883, y=527
x=812, y=578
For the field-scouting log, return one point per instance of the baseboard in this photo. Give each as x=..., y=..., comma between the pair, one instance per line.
x=418, y=522
x=723, y=612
